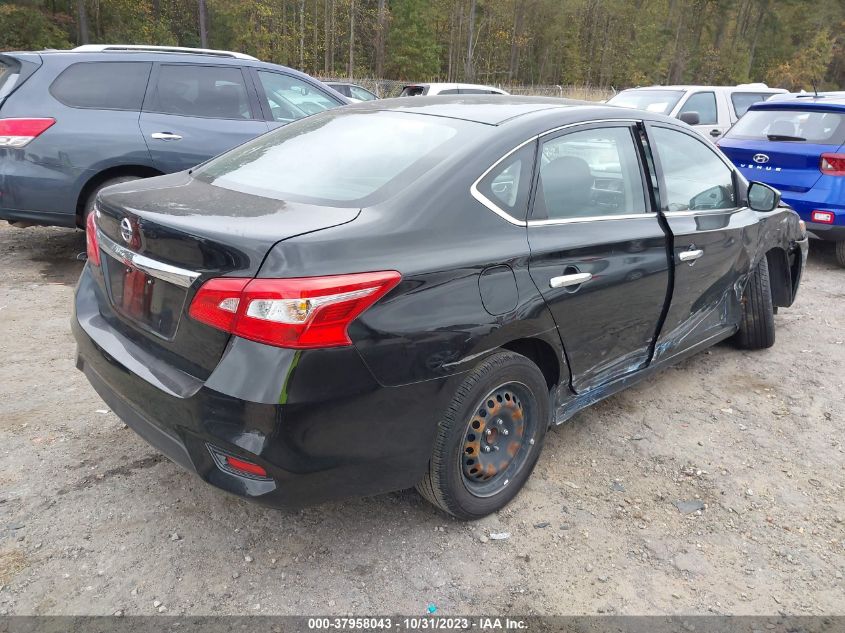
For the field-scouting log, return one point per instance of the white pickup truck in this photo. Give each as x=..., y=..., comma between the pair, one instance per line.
x=709, y=109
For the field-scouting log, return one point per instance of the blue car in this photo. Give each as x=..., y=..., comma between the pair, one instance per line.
x=797, y=145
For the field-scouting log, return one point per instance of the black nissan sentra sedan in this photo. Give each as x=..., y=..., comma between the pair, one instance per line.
x=295, y=323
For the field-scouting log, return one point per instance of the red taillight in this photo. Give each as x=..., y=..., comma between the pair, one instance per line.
x=18, y=133
x=299, y=313
x=833, y=164
x=92, y=246
x=822, y=217
x=245, y=467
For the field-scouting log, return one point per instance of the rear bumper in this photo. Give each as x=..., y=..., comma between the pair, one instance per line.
x=831, y=232
x=819, y=200
x=316, y=420
x=37, y=189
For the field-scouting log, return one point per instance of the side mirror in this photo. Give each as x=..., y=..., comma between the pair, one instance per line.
x=762, y=197
x=690, y=118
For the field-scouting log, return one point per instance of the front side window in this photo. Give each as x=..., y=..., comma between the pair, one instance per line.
x=589, y=173
x=290, y=98
x=704, y=103
x=216, y=92
x=103, y=85
x=341, y=158
x=696, y=178
x=359, y=93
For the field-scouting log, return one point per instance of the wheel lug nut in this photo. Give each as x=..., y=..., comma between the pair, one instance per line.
x=499, y=422
x=496, y=447
x=488, y=432
x=505, y=431
x=486, y=449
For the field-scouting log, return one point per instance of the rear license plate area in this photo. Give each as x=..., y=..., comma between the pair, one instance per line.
x=152, y=303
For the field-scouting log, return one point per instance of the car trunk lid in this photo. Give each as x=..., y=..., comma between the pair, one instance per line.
x=161, y=238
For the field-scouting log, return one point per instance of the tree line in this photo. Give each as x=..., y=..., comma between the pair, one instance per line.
x=794, y=44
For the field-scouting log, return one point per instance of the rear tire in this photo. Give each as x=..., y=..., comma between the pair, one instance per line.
x=840, y=253
x=757, y=325
x=92, y=197
x=502, y=404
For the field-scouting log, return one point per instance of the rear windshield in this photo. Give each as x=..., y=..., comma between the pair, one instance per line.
x=798, y=126
x=340, y=158
x=8, y=75
x=661, y=101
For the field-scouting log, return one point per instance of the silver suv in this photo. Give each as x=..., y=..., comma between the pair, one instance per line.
x=709, y=109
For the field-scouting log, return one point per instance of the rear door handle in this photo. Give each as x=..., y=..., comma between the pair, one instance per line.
x=165, y=136
x=691, y=255
x=565, y=281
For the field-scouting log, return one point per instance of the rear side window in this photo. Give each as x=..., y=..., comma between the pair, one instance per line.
x=508, y=184
x=797, y=126
x=743, y=100
x=340, y=157
x=215, y=92
x=290, y=98
x=102, y=85
x=589, y=173
x=8, y=74
x=705, y=104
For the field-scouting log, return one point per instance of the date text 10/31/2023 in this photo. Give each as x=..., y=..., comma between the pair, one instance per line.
x=418, y=623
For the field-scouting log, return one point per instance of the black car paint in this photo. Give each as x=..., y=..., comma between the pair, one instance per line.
x=361, y=420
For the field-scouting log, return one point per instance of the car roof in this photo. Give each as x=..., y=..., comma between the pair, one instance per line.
x=123, y=52
x=821, y=103
x=740, y=87
x=102, y=48
x=451, y=85
x=500, y=109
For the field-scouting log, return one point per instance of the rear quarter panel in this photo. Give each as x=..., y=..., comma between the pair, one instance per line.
x=434, y=323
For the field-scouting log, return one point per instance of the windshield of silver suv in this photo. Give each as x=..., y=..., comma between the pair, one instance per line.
x=661, y=101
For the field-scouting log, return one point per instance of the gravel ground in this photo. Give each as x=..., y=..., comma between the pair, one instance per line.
x=94, y=521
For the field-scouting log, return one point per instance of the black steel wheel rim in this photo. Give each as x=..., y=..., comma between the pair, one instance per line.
x=498, y=440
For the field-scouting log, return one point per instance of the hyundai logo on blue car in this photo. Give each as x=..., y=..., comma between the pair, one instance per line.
x=797, y=145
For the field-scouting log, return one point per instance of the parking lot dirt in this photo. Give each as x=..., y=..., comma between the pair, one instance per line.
x=95, y=521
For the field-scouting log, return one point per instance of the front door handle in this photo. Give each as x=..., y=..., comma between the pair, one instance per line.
x=714, y=133
x=565, y=281
x=165, y=136
x=690, y=255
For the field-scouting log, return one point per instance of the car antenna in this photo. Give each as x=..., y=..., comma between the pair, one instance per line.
x=815, y=91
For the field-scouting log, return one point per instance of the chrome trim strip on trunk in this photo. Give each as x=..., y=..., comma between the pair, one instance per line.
x=165, y=272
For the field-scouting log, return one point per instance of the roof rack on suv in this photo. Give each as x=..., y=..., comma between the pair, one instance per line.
x=102, y=48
